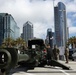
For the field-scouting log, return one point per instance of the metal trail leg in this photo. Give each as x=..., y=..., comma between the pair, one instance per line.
x=56, y=63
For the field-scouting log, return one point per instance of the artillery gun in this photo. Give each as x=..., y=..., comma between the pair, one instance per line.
x=34, y=56
x=9, y=58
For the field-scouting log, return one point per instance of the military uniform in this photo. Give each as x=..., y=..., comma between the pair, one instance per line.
x=66, y=54
x=56, y=53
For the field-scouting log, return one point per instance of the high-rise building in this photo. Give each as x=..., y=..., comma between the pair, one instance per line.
x=49, y=38
x=60, y=24
x=27, y=31
x=8, y=27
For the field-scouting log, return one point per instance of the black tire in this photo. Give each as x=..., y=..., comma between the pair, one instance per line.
x=72, y=59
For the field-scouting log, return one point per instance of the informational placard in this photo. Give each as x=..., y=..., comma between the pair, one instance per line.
x=33, y=46
x=62, y=50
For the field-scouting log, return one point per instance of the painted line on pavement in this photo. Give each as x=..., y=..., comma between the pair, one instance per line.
x=22, y=73
x=64, y=72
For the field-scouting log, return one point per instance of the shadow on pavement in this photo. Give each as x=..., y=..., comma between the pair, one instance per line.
x=18, y=69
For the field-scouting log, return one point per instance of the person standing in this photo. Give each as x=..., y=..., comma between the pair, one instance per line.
x=56, y=52
x=49, y=52
x=66, y=54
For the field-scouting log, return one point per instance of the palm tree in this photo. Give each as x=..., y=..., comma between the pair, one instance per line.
x=72, y=41
x=7, y=42
x=20, y=42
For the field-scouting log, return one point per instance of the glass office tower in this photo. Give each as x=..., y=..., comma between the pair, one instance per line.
x=27, y=31
x=50, y=38
x=60, y=24
x=8, y=27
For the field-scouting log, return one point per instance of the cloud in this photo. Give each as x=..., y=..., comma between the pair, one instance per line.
x=71, y=7
x=39, y=12
x=69, y=23
x=74, y=15
x=72, y=30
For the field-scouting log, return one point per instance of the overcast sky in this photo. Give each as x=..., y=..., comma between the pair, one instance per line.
x=39, y=13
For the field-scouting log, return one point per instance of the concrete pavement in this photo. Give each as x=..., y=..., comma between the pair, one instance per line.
x=47, y=70
x=71, y=64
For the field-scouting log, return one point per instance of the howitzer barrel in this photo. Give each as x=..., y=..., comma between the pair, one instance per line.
x=23, y=57
x=9, y=58
x=5, y=58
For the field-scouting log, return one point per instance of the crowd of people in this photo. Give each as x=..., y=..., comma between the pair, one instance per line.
x=55, y=52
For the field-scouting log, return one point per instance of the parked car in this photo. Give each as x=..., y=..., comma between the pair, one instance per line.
x=70, y=54
x=74, y=55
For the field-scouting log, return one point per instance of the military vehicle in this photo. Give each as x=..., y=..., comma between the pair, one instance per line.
x=34, y=56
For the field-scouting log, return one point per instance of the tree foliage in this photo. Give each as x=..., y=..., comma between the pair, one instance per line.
x=72, y=41
x=9, y=42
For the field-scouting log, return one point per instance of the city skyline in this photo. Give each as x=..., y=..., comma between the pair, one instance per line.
x=40, y=13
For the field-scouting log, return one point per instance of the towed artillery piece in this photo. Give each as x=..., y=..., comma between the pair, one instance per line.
x=34, y=56
x=9, y=58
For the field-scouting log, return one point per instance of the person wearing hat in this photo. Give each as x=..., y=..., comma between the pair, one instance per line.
x=66, y=54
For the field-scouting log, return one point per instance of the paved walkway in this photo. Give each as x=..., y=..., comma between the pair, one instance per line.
x=71, y=64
